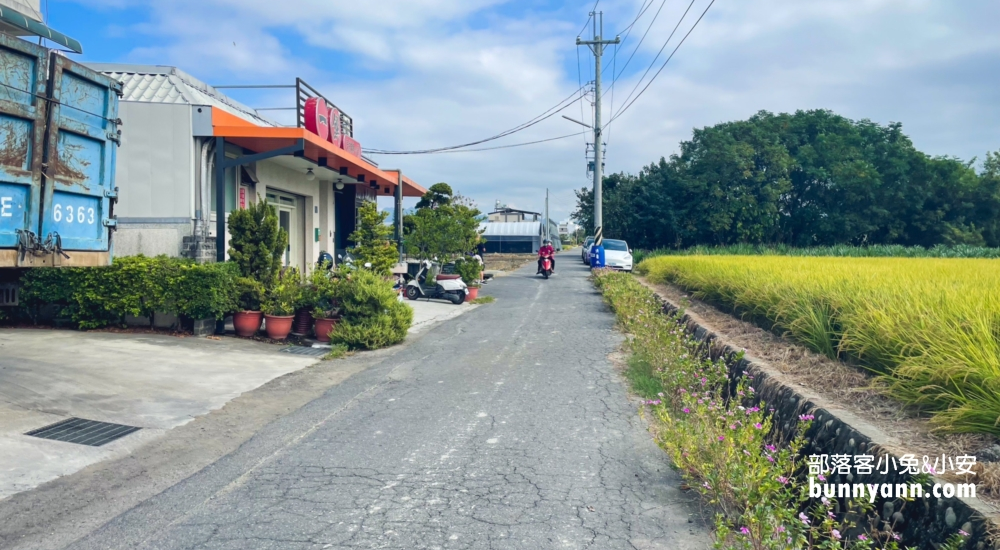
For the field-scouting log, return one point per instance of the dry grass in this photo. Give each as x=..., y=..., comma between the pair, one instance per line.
x=508, y=262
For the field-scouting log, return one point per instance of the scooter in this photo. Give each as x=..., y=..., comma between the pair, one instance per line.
x=546, y=267
x=449, y=289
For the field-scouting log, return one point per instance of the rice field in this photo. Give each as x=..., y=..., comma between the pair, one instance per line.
x=842, y=250
x=929, y=328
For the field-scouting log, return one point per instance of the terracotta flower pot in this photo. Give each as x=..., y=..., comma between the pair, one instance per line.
x=247, y=323
x=473, y=293
x=323, y=329
x=303, y=322
x=278, y=326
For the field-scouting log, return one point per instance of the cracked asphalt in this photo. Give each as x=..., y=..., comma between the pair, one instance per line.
x=505, y=428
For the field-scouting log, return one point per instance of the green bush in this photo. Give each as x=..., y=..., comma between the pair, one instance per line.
x=371, y=238
x=320, y=292
x=285, y=295
x=257, y=242
x=371, y=315
x=469, y=270
x=95, y=297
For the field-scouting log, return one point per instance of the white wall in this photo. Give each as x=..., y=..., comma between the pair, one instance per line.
x=276, y=177
x=155, y=170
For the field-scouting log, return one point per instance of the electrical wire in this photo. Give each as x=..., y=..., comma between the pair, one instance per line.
x=636, y=49
x=653, y=62
x=679, y=44
x=514, y=144
x=559, y=107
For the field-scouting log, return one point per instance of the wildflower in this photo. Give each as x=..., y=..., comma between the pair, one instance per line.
x=707, y=486
x=769, y=458
x=744, y=530
x=825, y=501
x=732, y=426
x=686, y=410
x=963, y=533
x=722, y=438
x=836, y=534
x=831, y=515
x=758, y=426
x=746, y=452
x=862, y=537
x=682, y=390
x=821, y=477
x=896, y=536
x=784, y=481
x=750, y=389
x=806, y=417
x=781, y=528
x=771, y=448
x=803, y=518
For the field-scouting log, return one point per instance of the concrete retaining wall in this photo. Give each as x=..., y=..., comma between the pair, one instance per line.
x=924, y=522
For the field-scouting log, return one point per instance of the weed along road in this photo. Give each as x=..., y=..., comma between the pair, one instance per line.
x=508, y=427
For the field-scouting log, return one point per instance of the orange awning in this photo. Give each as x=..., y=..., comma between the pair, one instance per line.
x=260, y=139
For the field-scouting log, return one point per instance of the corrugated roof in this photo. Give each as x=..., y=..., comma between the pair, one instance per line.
x=511, y=229
x=164, y=84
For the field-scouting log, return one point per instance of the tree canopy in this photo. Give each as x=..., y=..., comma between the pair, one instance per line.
x=802, y=179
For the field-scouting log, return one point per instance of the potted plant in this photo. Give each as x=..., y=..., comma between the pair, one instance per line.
x=248, y=318
x=469, y=270
x=322, y=298
x=280, y=303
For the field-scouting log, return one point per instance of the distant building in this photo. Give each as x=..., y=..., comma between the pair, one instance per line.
x=513, y=215
x=524, y=237
x=567, y=228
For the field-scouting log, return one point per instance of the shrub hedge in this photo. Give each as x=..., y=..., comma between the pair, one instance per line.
x=96, y=297
x=372, y=317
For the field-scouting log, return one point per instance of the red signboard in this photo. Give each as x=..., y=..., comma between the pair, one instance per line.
x=243, y=197
x=350, y=145
x=335, y=126
x=316, y=113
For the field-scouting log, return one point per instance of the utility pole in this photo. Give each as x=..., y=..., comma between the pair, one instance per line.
x=597, y=46
x=547, y=236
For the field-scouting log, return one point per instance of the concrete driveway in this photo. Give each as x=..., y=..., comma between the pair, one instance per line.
x=155, y=382
x=152, y=381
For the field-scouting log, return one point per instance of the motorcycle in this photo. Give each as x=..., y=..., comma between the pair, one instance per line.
x=546, y=266
x=454, y=290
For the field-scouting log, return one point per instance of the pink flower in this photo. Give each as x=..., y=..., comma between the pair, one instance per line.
x=686, y=410
x=836, y=534
x=758, y=426
x=781, y=528
x=806, y=417
x=722, y=438
x=744, y=530
x=803, y=518
x=771, y=448
x=862, y=537
x=769, y=458
x=963, y=533
x=783, y=480
x=821, y=477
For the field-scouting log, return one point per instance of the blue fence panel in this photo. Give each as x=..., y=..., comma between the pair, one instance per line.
x=80, y=153
x=23, y=76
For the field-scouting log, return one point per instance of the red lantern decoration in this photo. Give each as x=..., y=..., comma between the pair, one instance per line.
x=316, y=115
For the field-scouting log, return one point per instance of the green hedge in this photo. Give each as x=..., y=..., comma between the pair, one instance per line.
x=372, y=317
x=95, y=297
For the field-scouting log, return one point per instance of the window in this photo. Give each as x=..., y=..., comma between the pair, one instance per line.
x=230, y=190
x=612, y=244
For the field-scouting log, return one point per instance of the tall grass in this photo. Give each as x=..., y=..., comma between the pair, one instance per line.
x=929, y=328
x=842, y=250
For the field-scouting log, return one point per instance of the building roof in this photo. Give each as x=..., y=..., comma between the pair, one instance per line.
x=165, y=84
x=507, y=210
x=511, y=229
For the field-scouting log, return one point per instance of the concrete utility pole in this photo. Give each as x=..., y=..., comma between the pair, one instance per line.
x=547, y=236
x=597, y=46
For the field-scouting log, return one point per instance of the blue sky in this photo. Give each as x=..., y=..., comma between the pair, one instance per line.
x=425, y=73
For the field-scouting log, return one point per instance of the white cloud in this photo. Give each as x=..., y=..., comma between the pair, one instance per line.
x=450, y=71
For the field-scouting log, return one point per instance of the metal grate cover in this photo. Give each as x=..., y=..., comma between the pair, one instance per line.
x=303, y=350
x=83, y=432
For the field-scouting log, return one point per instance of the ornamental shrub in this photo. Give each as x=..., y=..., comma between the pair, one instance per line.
x=469, y=269
x=371, y=315
x=256, y=241
x=371, y=240
x=285, y=295
x=95, y=297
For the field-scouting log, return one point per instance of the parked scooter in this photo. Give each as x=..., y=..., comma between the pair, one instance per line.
x=426, y=285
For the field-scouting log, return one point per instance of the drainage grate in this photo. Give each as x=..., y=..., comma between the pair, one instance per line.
x=303, y=350
x=83, y=432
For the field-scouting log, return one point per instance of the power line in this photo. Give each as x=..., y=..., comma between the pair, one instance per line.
x=559, y=107
x=651, y=63
x=636, y=49
x=679, y=44
x=480, y=149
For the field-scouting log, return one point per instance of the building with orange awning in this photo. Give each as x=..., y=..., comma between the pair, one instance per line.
x=180, y=137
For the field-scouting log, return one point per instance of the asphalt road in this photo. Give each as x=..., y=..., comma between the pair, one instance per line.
x=505, y=428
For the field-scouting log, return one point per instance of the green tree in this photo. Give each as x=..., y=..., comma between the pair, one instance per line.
x=439, y=194
x=443, y=231
x=371, y=238
x=257, y=242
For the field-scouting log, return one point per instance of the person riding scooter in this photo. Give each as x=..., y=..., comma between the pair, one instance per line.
x=546, y=251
